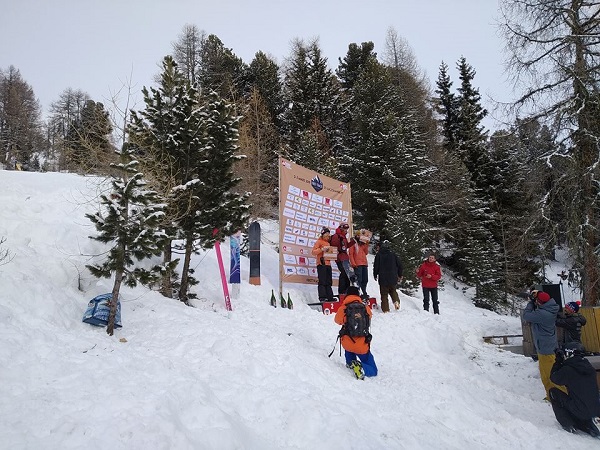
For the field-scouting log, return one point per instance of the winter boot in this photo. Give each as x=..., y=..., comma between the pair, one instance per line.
x=592, y=429
x=358, y=370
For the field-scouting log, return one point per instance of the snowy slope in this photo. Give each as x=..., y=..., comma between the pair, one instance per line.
x=258, y=377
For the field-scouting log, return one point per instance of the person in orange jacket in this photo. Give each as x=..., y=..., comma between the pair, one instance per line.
x=357, y=349
x=430, y=273
x=323, y=266
x=358, y=260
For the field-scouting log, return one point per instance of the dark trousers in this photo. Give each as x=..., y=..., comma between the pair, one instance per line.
x=325, y=290
x=434, y=299
x=362, y=277
x=384, y=291
x=344, y=282
x=563, y=410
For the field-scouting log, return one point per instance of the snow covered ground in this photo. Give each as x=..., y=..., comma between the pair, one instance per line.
x=258, y=377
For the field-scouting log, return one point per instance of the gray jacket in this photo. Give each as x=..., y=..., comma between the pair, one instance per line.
x=543, y=325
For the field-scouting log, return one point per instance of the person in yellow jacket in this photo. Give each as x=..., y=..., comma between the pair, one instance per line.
x=323, y=266
x=357, y=349
x=358, y=260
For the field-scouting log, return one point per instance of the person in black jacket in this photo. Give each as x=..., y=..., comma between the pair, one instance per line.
x=575, y=410
x=572, y=322
x=387, y=270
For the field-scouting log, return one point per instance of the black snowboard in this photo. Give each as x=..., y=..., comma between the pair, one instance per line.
x=254, y=251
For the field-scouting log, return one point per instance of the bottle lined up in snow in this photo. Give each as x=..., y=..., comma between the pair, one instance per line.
x=284, y=303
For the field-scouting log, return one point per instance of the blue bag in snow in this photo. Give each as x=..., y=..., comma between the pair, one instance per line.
x=98, y=310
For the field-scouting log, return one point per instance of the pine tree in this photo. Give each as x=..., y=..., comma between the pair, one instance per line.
x=191, y=142
x=383, y=152
x=311, y=93
x=409, y=236
x=265, y=78
x=470, y=222
x=129, y=220
x=20, y=120
x=221, y=70
x=516, y=226
x=471, y=137
x=88, y=146
x=353, y=64
x=447, y=107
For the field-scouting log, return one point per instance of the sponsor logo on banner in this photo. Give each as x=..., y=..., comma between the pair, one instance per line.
x=316, y=183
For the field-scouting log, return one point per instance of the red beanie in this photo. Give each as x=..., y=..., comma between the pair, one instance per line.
x=543, y=297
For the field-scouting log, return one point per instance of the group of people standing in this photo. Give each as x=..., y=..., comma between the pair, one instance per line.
x=568, y=377
x=352, y=264
x=351, y=260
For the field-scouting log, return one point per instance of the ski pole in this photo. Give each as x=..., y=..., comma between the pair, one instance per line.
x=333, y=349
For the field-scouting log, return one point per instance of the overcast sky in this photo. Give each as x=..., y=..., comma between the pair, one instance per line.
x=98, y=45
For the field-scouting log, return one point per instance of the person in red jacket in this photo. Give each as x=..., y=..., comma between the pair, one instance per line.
x=430, y=273
x=339, y=241
x=358, y=260
x=357, y=349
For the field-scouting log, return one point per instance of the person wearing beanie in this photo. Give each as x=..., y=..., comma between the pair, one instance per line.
x=342, y=244
x=541, y=312
x=572, y=322
x=323, y=266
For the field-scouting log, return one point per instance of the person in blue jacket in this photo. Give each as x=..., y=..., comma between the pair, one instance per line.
x=541, y=312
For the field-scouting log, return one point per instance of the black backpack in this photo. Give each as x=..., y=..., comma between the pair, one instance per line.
x=357, y=321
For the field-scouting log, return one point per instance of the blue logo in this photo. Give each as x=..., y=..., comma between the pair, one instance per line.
x=316, y=183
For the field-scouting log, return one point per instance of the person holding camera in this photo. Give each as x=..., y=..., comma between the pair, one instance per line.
x=541, y=312
x=576, y=409
x=323, y=266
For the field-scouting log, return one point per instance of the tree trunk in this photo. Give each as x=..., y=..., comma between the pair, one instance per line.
x=114, y=302
x=183, y=289
x=166, y=288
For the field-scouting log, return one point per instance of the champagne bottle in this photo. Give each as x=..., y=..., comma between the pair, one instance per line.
x=290, y=305
x=283, y=302
x=273, y=299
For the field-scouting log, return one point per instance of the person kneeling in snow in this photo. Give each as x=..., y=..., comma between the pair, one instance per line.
x=576, y=409
x=355, y=336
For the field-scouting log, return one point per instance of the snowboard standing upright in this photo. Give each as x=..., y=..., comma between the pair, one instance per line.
x=254, y=251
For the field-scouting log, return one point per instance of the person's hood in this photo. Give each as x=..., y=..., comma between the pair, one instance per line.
x=580, y=365
x=550, y=306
